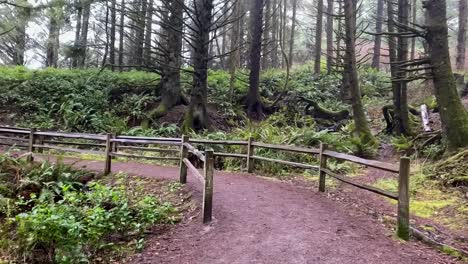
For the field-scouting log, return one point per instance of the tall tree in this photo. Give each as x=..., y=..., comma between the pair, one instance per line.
x=359, y=116
x=453, y=115
x=254, y=104
x=403, y=52
x=274, y=35
x=293, y=31
x=55, y=14
x=197, y=116
x=266, y=36
x=171, y=60
x=147, y=60
x=329, y=29
x=378, y=37
x=318, y=37
x=461, y=36
x=121, y=33
x=234, y=57
x=113, y=22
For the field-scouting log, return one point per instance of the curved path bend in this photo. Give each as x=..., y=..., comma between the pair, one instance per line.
x=261, y=220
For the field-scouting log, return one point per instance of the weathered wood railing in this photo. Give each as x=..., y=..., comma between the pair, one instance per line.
x=206, y=179
x=110, y=146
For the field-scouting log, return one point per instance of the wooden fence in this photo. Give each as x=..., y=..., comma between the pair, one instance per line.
x=115, y=146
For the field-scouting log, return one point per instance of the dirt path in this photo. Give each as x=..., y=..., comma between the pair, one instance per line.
x=259, y=220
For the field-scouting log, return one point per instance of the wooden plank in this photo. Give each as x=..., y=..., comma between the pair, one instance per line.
x=72, y=135
x=183, y=155
x=371, y=163
x=194, y=170
x=195, y=151
x=208, y=187
x=230, y=155
x=219, y=142
x=322, y=165
x=361, y=186
x=149, y=149
x=84, y=151
x=14, y=131
x=15, y=128
x=290, y=163
x=403, y=221
x=287, y=148
x=132, y=156
x=15, y=139
x=57, y=142
x=14, y=144
x=108, y=157
x=137, y=141
x=148, y=138
x=250, y=154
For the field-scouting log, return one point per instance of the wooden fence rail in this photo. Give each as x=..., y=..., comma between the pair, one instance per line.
x=109, y=146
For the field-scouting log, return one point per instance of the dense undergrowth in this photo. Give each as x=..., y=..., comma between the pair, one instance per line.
x=52, y=213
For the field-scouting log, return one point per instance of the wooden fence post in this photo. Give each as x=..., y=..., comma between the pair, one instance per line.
x=250, y=153
x=183, y=155
x=31, y=143
x=208, y=186
x=108, y=160
x=40, y=141
x=114, y=146
x=403, y=223
x=322, y=165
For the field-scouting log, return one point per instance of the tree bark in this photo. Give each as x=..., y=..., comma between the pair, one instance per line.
x=149, y=25
x=274, y=35
x=378, y=37
x=330, y=12
x=392, y=51
x=254, y=104
x=318, y=38
x=453, y=115
x=197, y=115
x=52, y=45
x=121, y=33
x=266, y=36
x=359, y=116
x=234, y=57
x=461, y=36
x=84, y=34
x=170, y=70
x=414, y=6
x=112, y=33
x=293, y=29
x=403, y=47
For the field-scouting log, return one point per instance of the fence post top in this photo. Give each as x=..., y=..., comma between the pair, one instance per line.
x=185, y=138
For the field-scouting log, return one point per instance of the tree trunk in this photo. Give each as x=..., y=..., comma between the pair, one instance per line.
x=392, y=51
x=52, y=41
x=170, y=70
x=378, y=37
x=360, y=120
x=293, y=29
x=461, y=36
x=453, y=115
x=76, y=45
x=318, y=38
x=84, y=34
x=149, y=24
x=112, y=33
x=254, y=104
x=330, y=11
x=339, y=38
x=414, y=20
x=121, y=33
x=197, y=115
x=234, y=57
x=283, y=31
x=274, y=35
x=266, y=36
x=403, y=18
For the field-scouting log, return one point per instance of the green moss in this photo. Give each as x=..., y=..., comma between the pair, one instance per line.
x=451, y=251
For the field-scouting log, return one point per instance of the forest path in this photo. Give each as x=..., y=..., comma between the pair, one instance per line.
x=262, y=220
